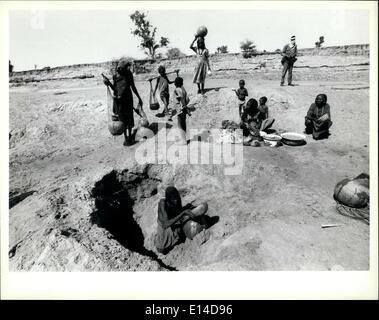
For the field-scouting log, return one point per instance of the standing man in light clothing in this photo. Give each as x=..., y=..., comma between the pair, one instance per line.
x=289, y=54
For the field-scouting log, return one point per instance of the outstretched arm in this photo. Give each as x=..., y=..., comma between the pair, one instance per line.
x=107, y=82
x=207, y=56
x=156, y=85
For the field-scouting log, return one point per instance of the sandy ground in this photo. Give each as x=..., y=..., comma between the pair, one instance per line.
x=268, y=217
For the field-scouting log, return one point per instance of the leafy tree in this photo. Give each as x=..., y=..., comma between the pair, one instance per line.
x=320, y=42
x=147, y=33
x=248, y=48
x=222, y=49
x=174, y=53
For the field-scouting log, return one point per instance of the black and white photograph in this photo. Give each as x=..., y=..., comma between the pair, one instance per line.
x=161, y=139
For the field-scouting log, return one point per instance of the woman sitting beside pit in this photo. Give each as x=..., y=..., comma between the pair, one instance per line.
x=172, y=217
x=318, y=120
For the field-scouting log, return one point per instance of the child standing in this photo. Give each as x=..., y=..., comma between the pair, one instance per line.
x=181, y=100
x=267, y=122
x=241, y=94
x=163, y=85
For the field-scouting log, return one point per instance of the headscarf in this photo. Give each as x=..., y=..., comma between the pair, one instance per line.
x=171, y=194
x=122, y=65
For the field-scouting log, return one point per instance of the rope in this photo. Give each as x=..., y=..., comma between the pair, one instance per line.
x=362, y=214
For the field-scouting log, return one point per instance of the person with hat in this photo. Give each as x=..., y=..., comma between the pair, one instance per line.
x=289, y=54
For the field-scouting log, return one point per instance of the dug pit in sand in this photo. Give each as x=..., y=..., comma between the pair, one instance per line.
x=115, y=196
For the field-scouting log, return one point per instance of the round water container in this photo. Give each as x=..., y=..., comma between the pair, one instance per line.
x=202, y=31
x=351, y=193
x=144, y=122
x=200, y=209
x=143, y=133
x=116, y=128
x=192, y=228
x=154, y=106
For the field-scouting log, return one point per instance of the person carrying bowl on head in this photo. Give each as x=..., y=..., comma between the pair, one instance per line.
x=123, y=85
x=318, y=119
x=203, y=63
x=289, y=54
x=171, y=218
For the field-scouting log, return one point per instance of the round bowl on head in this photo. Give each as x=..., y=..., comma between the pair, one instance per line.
x=272, y=140
x=293, y=138
x=202, y=31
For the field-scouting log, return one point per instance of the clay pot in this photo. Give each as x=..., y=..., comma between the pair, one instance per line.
x=202, y=31
x=116, y=128
x=192, y=228
x=352, y=193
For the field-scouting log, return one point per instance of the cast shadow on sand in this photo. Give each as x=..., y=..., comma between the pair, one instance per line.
x=211, y=89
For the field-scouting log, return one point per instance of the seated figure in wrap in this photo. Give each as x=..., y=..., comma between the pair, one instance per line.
x=172, y=216
x=318, y=120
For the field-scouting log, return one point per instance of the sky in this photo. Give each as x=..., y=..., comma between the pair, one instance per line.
x=65, y=37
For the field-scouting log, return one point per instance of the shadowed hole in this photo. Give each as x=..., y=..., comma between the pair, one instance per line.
x=115, y=196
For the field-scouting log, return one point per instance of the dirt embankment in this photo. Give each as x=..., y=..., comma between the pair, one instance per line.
x=345, y=57
x=267, y=217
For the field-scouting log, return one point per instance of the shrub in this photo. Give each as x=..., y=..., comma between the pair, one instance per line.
x=174, y=53
x=222, y=49
x=248, y=48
